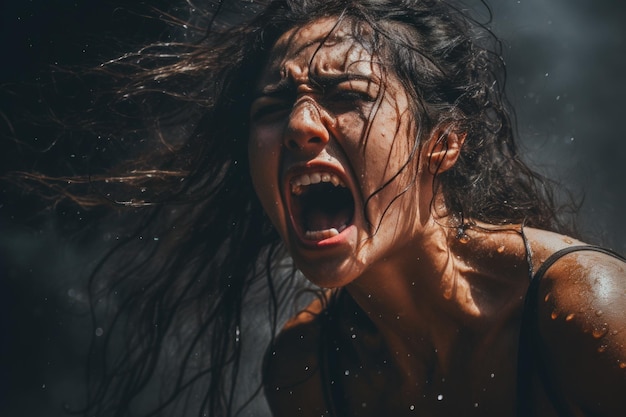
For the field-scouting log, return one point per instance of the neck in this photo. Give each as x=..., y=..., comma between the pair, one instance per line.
x=424, y=301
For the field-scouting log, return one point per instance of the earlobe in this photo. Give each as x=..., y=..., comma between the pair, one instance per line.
x=444, y=149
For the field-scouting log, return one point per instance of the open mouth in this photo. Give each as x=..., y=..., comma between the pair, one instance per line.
x=321, y=204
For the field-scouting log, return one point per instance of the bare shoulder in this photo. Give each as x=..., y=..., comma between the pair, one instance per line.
x=292, y=381
x=582, y=322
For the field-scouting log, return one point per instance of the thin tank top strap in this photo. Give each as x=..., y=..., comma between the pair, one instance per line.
x=529, y=357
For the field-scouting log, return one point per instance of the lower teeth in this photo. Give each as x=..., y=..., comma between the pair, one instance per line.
x=323, y=234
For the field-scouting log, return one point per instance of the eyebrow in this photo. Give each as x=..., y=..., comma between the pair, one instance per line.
x=286, y=86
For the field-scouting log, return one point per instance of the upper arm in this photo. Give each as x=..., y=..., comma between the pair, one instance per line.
x=582, y=322
x=291, y=375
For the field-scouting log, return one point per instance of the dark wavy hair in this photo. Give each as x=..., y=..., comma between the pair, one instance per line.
x=180, y=301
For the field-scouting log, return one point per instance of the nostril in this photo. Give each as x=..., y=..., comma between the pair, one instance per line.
x=295, y=145
x=292, y=145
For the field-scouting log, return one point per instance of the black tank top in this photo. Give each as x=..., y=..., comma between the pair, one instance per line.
x=529, y=358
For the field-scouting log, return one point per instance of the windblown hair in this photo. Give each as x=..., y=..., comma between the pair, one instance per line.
x=182, y=301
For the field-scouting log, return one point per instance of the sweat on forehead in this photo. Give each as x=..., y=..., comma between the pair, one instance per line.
x=324, y=46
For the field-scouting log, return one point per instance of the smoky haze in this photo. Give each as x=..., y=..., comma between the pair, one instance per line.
x=566, y=62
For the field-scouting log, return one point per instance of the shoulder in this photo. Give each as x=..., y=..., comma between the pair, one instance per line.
x=582, y=324
x=291, y=374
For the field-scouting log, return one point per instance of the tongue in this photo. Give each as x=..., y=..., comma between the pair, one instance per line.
x=317, y=219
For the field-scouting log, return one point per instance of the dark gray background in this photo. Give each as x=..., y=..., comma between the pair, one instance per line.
x=566, y=60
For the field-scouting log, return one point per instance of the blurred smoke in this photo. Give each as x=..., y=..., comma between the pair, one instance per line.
x=566, y=65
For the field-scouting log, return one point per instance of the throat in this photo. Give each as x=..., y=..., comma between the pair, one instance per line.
x=324, y=208
x=318, y=218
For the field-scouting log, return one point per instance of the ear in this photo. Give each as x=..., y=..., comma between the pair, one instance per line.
x=444, y=148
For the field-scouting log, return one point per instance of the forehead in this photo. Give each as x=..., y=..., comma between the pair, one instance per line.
x=322, y=47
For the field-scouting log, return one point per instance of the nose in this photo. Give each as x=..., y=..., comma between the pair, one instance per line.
x=307, y=130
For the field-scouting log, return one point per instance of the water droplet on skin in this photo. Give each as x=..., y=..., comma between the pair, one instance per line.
x=599, y=313
x=569, y=317
x=602, y=348
x=439, y=397
x=568, y=241
x=500, y=249
x=547, y=297
x=622, y=365
x=599, y=333
x=554, y=315
x=464, y=239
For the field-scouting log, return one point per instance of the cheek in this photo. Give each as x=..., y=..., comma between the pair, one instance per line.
x=263, y=154
x=388, y=153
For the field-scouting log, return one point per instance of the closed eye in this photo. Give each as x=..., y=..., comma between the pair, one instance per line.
x=350, y=95
x=266, y=108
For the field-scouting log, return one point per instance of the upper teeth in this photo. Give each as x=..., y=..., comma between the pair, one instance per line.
x=297, y=183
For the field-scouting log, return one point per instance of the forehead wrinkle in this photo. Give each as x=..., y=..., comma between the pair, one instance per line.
x=337, y=49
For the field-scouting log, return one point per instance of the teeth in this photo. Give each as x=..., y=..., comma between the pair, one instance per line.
x=323, y=234
x=297, y=183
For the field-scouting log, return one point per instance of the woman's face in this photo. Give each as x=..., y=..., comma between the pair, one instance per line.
x=330, y=138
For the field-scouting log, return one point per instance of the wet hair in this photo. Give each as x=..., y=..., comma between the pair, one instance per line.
x=180, y=303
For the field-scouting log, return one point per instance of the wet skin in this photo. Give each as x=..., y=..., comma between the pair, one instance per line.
x=435, y=319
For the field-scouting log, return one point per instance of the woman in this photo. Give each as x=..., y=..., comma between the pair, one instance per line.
x=357, y=150
x=370, y=140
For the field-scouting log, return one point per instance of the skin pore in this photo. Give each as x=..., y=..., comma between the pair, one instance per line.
x=432, y=321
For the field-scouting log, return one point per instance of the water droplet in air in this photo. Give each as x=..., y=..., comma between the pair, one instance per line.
x=569, y=317
x=439, y=397
x=347, y=372
x=622, y=365
x=99, y=331
x=554, y=315
x=547, y=297
x=475, y=405
x=363, y=405
x=412, y=407
x=602, y=348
